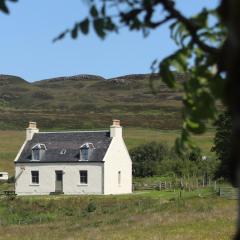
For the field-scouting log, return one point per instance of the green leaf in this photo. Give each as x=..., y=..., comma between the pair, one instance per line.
x=74, y=32
x=178, y=60
x=60, y=36
x=84, y=26
x=103, y=10
x=196, y=127
x=3, y=7
x=109, y=25
x=166, y=74
x=201, y=19
x=94, y=11
x=99, y=27
x=178, y=32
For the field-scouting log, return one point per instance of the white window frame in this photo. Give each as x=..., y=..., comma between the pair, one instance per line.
x=83, y=183
x=35, y=183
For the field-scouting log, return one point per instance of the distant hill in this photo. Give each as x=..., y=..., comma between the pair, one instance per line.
x=89, y=101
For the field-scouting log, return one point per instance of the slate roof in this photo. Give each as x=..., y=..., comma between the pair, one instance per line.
x=71, y=141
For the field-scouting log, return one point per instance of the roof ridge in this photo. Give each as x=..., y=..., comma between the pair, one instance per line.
x=76, y=131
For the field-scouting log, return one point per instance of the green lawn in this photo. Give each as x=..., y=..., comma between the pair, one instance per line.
x=137, y=136
x=142, y=215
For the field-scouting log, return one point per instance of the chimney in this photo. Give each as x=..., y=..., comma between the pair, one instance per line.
x=116, y=129
x=32, y=128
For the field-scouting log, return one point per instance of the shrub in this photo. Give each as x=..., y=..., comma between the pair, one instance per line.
x=154, y=159
x=11, y=179
x=147, y=158
x=91, y=207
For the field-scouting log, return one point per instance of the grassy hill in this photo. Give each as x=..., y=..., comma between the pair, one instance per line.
x=88, y=101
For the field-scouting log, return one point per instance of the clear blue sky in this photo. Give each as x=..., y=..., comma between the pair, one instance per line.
x=27, y=49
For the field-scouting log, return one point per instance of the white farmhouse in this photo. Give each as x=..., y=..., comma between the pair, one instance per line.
x=76, y=162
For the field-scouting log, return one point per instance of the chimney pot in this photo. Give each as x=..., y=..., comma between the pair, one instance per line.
x=116, y=122
x=31, y=130
x=116, y=129
x=32, y=125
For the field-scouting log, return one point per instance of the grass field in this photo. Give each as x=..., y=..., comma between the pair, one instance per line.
x=11, y=141
x=142, y=215
x=199, y=214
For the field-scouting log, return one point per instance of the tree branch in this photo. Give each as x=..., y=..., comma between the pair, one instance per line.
x=159, y=23
x=190, y=26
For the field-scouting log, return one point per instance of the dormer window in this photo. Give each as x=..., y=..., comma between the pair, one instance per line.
x=38, y=151
x=84, y=154
x=35, y=154
x=85, y=151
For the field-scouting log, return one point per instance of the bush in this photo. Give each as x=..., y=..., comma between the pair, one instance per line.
x=223, y=147
x=155, y=159
x=11, y=179
x=147, y=158
x=91, y=207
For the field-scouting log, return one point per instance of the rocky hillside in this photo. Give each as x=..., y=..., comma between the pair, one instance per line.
x=89, y=101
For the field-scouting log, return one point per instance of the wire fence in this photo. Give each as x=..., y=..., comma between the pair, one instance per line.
x=222, y=190
x=189, y=184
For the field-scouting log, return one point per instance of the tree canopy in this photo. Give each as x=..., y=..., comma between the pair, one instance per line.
x=156, y=159
x=223, y=144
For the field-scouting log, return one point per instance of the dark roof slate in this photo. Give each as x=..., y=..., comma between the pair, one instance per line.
x=55, y=142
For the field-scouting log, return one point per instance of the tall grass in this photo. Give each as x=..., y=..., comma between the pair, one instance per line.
x=149, y=215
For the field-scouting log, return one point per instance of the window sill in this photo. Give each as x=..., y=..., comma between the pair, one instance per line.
x=83, y=185
x=34, y=184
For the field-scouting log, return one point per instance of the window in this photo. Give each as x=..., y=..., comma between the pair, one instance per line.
x=83, y=177
x=38, y=151
x=35, y=177
x=36, y=154
x=119, y=177
x=85, y=151
x=1, y=175
x=84, y=154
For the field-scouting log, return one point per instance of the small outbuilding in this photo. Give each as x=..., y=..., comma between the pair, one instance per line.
x=3, y=176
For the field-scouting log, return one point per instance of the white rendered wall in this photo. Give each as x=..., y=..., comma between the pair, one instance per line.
x=117, y=159
x=71, y=178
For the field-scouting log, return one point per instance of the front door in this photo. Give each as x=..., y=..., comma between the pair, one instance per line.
x=59, y=181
